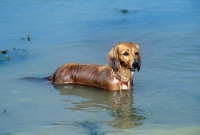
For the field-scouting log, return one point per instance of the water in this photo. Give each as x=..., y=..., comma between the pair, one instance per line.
x=166, y=94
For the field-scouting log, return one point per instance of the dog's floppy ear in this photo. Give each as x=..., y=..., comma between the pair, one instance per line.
x=139, y=58
x=113, y=59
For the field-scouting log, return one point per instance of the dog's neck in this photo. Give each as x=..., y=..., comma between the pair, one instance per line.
x=121, y=79
x=124, y=75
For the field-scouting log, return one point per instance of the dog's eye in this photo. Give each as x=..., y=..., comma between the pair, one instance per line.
x=126, y=54
x=136, y=53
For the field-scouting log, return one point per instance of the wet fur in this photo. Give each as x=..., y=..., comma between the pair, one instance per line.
x=101, y=76
x=92, y=75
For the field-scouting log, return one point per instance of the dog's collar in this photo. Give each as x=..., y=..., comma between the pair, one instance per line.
x=121, y=79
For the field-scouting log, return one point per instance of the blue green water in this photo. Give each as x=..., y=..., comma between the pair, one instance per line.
x=166, y=93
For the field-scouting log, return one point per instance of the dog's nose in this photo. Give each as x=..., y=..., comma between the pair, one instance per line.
x=135, y=64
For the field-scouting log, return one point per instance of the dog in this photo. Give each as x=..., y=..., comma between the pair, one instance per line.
x=123, y=59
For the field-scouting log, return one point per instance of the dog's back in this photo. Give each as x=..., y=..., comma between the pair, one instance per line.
x=85, y=74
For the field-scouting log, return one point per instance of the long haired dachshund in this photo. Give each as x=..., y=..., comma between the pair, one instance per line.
x=123, y=60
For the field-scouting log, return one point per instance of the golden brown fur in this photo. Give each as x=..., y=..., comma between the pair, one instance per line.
x=123, y=60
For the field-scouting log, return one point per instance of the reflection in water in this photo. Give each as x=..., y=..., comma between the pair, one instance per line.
x=118, y=104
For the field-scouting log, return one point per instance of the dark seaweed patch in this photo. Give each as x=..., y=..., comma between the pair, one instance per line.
x=28, y=37
x=124, y=11
x=4, y=54
x=91, y=127
x=4, y=51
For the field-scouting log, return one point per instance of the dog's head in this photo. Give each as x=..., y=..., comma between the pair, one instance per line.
x=125, y=54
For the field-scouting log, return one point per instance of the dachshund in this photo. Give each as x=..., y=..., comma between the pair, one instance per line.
x=123, y=59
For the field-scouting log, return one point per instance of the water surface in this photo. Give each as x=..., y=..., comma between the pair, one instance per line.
x=166, y=93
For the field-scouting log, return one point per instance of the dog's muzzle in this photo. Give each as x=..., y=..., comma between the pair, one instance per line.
x=135, y=66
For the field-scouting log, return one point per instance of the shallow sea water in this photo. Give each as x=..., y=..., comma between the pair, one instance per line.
x=166, y=93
